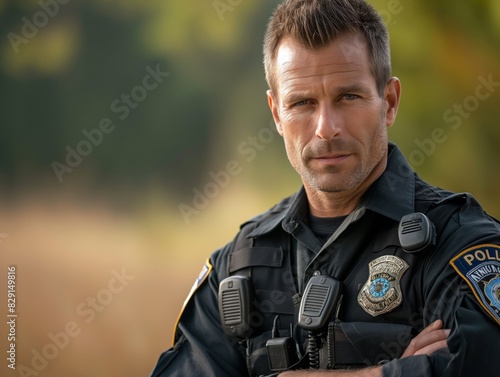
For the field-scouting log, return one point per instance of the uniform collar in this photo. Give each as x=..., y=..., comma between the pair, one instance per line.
x=392, y=195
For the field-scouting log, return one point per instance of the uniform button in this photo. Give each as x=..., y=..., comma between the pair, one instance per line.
x=316, y=273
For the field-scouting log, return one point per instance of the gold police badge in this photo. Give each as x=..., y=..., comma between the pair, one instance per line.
x=382, y=292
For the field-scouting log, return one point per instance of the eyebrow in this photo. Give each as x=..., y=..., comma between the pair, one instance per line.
x=352, y=88
x=297, y=96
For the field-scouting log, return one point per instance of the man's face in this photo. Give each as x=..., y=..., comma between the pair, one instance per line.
x=330, y=114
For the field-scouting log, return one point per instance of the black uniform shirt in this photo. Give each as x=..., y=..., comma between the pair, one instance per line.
x=454, y=281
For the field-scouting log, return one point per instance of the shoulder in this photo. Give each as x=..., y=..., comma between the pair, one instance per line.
x=273, y=214
x=453, y=210
x=460, y=222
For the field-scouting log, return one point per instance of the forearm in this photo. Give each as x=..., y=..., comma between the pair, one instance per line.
x=365, y=372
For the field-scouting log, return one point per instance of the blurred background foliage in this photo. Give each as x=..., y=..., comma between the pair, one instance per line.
x=65, y=78
x=120, y=205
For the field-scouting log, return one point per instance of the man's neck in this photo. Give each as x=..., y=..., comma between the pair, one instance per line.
x=335, y=204
x=328, y=204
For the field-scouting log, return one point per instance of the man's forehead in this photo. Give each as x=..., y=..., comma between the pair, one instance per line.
x=348, y=48
x=345, y=60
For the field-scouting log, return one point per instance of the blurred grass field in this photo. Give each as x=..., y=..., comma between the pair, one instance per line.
x=65, y=250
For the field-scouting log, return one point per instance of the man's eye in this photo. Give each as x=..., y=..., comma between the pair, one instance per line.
x=301, y=103
x=350, y=97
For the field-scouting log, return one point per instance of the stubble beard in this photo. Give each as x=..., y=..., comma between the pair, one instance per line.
x=334, y=179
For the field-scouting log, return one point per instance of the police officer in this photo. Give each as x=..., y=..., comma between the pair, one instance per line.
x=402, y=277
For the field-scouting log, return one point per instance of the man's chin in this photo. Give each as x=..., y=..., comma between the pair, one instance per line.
x=327, y=187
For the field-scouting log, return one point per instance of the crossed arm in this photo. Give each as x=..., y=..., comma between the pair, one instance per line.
x=431, y=339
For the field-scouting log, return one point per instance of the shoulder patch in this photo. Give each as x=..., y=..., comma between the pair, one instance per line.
x=479, y=266
x=205, y=271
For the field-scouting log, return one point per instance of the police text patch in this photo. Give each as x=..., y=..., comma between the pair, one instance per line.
x=480, y=267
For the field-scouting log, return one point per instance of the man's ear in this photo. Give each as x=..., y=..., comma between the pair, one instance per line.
x=392, y=96
x=273, y=105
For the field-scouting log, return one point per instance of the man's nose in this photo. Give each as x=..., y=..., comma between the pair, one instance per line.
x=328, y=124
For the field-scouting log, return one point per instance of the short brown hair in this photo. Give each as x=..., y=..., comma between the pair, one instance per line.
x=316, y=23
